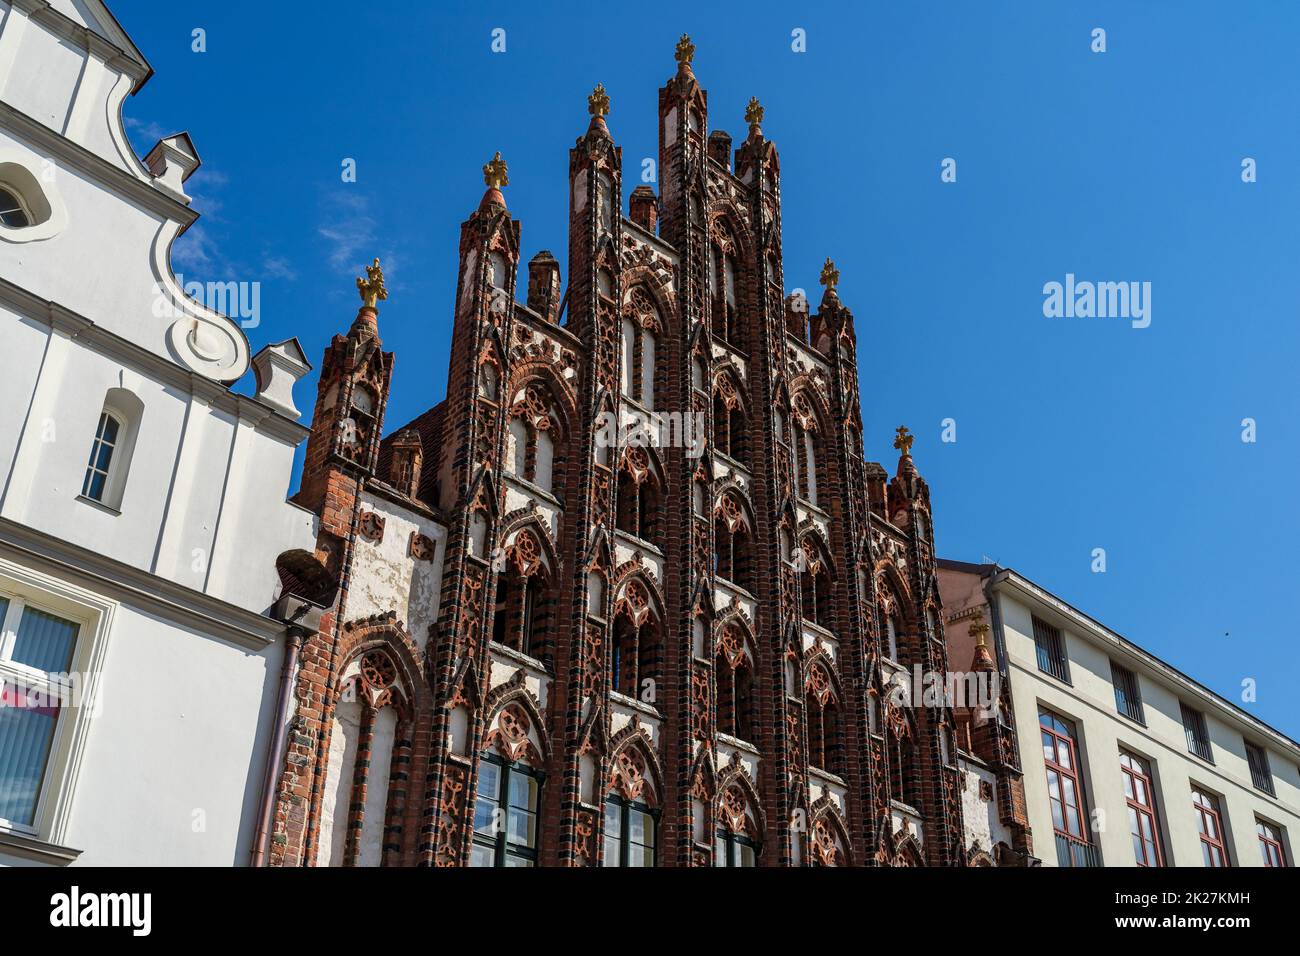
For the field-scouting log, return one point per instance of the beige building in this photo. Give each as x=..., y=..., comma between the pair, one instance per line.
x=1125, y=760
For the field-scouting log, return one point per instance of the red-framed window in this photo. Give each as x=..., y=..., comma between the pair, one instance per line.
x=1270, y=844
x=1139, y=794
x=1214, y=849
x=1062, y=758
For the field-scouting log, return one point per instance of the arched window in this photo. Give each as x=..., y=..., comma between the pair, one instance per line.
x=641, y=326
x=519, y=617
x=530, y=454
x=825, y=749
x=354, y=805
x=636, y=652
x=734, y=669
x=638, y=496
x=13, y=211
x=729, y=431
x=722, y=289
x=631, y=812
x=732, y=557
x=815, y=588
x=112, y=448
x=736, y=837
x=904, y=770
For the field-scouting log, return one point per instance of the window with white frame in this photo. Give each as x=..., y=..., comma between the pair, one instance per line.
x=110, y=452
x=37, y=648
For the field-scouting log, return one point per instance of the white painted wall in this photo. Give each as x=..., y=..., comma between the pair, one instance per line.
x=88, y=303
x=1090, y=703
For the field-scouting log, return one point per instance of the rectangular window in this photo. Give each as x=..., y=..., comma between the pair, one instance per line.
x=1260, y=774
x=1051, y=651
x=1128, y=694
x=505, y=814
x=36, y=650
x=1198, y=741
x=1139, y=794
x=1270, y=844
x=1209, y=821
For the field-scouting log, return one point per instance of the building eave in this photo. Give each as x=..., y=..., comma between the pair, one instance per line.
x=1008, y=579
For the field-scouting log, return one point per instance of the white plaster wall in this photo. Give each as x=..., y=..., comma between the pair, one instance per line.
x=979, y=816
x=1102, y=732
x=62, y=85
x=386, y=578
x=173, y=763
x=203, y=503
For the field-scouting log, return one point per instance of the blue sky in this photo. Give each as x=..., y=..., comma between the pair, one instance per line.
x=1072, y=434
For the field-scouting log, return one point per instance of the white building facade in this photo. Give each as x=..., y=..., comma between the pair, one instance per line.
x=142, y=501
x=1125, y=761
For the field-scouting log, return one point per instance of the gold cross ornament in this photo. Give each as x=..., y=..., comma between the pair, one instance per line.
x=372, y=287
x=495, y=173
x=904, y=441
x=830, y=276
x=685, y=50
x=598, y=101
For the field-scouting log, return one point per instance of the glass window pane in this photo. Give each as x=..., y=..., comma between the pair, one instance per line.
x=482, y=856
x=489, y=779
x=95, y=480
x=109, y=429
x=44, y=641
x=103, y=457
x=485, y=816
x=1063, y=757
x=639, y=855
x=518, y=862
x=613, y=820
x=523, y=826
x=640, y=826
x=523, y=792
x=745, y=855
x=611, y=857
x=26, y=733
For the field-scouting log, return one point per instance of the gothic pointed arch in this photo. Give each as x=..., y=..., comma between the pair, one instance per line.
x=634, y=769
x=829, y=834
x=515, y=728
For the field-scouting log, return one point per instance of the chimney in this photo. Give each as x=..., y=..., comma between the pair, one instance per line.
x=644, y=208
x=544, y=286
x=720, y=148
x=407, y=462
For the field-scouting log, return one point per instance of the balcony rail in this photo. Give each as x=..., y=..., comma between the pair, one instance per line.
x=1071, y=851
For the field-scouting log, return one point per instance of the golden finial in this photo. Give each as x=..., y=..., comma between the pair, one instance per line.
x=372, y=286
x=904, y=441
x=753, y=113
x=685, y=50
x=978, y=630
x=598, y=101
x=830, y=276
x=494, y=173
